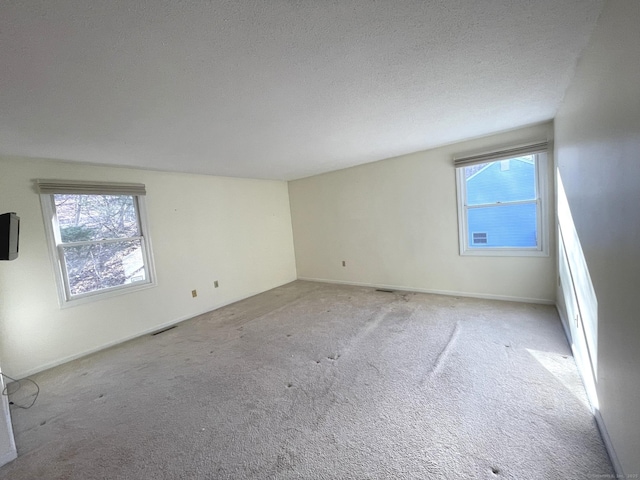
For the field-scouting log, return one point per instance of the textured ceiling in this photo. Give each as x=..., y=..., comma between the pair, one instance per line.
x=277, y=89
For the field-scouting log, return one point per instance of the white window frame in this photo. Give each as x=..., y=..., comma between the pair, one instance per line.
x=539, y=150
x=47, y=191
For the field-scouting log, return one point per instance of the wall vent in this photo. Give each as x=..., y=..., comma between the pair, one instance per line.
x=479, y=238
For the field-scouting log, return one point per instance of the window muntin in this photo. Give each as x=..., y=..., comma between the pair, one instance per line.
x=99, y=244
x=502, y=200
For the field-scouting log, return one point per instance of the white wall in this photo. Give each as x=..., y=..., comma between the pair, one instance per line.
x=394, y=222
x=203, y=228
x=597, y=134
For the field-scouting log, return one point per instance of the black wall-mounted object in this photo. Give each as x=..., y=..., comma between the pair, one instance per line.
x=9, y=235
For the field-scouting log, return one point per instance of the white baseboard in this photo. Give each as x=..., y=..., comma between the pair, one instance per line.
x=8, y=457
x=84, y=353
x=152, y=329
x=449, y=293
x=617, y=467
x=604, y=434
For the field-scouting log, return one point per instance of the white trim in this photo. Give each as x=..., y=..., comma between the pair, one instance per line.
x=147, y=331
x=565, y=325
x=8, y=457
x=604, y=434
x=542, y=209
x=146, y=245
x=106, y=293
x=449, y=293
x=12, y=454
x=84, y=353
x=502, y=252
x=586, y=375
x=501, y=204
x=65, y=299
x=103, y=241
x=606, y=439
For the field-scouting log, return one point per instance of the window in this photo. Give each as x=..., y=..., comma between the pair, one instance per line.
x=98, y=238
x=501, y=202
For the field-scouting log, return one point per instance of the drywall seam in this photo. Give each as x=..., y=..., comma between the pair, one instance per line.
x=604, y=434
x=154, y=328
x=436, y=292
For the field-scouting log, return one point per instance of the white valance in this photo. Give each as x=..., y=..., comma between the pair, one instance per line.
x=49, y=187
x=512, y=152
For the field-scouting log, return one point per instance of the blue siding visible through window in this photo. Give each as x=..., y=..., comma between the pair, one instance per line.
x=506, y=225
x=500, y=182
x=493, y=184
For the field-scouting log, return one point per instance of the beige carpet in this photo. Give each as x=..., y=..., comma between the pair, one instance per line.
x=321, y=382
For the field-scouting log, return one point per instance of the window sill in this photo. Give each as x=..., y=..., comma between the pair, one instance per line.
x=105, y=295
x=503, y=252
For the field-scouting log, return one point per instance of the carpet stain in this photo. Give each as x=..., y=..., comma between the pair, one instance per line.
x=285, y=461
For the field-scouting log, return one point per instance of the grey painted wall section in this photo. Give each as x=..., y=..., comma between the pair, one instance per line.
x=597, y=135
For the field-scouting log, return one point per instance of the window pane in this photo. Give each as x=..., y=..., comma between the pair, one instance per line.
x=96, y=217
x=104, y=265
x=502, y=181
x=503, y=226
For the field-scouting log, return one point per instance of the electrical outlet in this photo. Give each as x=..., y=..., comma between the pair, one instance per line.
x=194, y=293
x=215, y=284
x=344, y=263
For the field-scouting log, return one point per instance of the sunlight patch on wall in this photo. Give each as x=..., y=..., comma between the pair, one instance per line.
x=578, y=297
